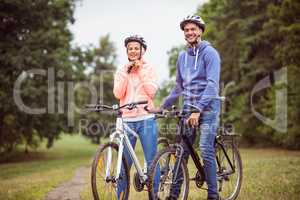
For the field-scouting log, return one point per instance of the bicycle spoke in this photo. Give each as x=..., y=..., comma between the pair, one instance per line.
x=166, y=161
x=103, y=178
x=229, y=171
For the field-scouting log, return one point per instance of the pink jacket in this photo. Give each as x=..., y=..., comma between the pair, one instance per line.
x=136, y=86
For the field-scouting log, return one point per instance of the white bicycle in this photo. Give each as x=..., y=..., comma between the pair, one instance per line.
x=109, y=160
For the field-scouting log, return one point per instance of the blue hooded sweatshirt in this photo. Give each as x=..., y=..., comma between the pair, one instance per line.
x=197, y=77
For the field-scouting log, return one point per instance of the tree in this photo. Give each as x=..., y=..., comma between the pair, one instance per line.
x=33, y=35
x=255, y=39
x=253, y=45
x=103, y=66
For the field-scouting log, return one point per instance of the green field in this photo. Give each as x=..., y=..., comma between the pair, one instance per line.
x=269, y=174
x=32, y=176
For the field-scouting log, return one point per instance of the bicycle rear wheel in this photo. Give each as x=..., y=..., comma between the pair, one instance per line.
x=229, y=170
x=103, y=180
x=165, y=161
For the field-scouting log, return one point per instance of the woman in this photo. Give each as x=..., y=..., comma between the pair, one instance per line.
x=136, y=81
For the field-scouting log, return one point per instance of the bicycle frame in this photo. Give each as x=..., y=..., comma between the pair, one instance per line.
x=193, y=154
x=196, y=157
x=227, y=157
x=121, y=137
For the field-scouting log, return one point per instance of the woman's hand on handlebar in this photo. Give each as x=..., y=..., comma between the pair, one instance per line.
x=152, y=110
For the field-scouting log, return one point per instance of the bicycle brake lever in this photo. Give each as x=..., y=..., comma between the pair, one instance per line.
x=131, y=106
x=146, y=108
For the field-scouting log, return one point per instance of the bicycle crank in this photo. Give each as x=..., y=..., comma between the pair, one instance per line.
x=199, y=179
x=138, y=185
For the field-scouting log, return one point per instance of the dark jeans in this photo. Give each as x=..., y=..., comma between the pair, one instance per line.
x=208, y=124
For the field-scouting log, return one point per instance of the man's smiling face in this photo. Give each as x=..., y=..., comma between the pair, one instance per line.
x=192, y=32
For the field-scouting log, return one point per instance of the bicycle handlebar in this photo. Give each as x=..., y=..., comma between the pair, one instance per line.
x=178, y=113
x=115, y=107
x=175, y=113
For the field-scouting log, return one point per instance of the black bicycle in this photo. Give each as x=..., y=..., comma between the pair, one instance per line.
x=228, y=160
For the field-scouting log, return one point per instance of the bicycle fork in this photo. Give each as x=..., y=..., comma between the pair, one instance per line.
x=108, y=176
x=179, y=155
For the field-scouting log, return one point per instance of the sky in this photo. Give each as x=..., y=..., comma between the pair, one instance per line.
x=157, y=21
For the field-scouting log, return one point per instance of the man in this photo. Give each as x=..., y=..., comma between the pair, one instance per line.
x=197, y=81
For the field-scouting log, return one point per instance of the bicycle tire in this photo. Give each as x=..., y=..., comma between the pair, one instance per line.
x=163, y=142
x=225, y=190
x=96, y=192
x=171, y=151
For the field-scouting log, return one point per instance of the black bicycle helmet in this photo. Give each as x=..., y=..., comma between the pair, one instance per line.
x=194, y=19
x=136, y=38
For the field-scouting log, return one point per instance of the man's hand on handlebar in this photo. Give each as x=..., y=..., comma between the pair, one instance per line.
x=193, y=119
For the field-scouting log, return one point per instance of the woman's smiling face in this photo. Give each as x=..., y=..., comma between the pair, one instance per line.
x=134, y=51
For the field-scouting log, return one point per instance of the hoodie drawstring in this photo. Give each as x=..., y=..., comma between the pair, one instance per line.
x=196, y=59
x=185, y=60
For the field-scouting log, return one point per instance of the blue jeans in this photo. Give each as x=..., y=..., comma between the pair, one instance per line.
x=147, y=131
x=208, y=125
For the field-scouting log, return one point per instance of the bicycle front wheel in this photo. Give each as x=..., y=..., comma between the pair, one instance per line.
x=104, y=183
x=162, y=142
x=168, y=185
x=229, y=170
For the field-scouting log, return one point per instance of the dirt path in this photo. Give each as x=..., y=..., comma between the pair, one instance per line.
x=70, y=190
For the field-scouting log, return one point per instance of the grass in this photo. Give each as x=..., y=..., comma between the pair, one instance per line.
x=269, y=174
x=30, y=177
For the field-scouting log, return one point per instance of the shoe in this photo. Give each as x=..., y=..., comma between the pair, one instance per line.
x=218, y=198
x=171, y=198
x=155, y=198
